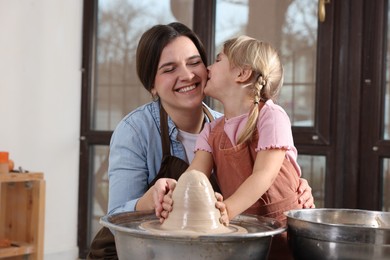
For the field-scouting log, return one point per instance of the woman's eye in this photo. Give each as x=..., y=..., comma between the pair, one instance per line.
x=194, y=63
x=168, y=69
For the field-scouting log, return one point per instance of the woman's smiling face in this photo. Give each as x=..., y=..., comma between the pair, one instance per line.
x=181, y=75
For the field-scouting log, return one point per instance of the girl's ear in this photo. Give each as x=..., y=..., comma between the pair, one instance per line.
x=244, y=75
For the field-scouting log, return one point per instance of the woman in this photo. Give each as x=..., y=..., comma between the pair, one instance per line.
x=171, y=66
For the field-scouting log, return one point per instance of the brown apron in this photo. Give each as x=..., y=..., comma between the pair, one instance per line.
x=233, y=165
x=172, y=166
x=103, y=245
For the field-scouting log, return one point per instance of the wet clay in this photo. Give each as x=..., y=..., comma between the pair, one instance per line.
x=194, y=210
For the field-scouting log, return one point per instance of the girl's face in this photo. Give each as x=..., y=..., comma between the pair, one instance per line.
x=221, y=78
x=181, y=75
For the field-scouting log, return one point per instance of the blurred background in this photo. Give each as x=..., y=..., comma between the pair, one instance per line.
x=68, y=77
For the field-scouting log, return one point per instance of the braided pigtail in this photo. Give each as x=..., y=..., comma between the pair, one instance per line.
x=247, y=134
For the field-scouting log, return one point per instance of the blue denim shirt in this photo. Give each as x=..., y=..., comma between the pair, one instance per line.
x=136, y=153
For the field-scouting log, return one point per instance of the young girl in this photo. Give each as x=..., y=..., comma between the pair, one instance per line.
x=251, y=148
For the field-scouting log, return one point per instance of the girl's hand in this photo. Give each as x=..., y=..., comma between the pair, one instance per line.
x=162, y=197
x=305, y=195
x=224, y=219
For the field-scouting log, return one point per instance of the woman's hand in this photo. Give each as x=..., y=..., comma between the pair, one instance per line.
x=162, y=197
x=167, y=206
x=224, y=219
x=305, y=196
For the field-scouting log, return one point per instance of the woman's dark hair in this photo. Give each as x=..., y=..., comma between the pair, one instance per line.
x=152, y=43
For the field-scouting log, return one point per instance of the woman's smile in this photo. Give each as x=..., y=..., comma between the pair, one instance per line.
x=186, y=88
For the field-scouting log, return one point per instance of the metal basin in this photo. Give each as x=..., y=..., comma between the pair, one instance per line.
x=133, y=242
x=339, y=234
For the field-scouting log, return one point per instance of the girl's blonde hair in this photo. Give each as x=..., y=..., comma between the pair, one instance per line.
x=267, y=73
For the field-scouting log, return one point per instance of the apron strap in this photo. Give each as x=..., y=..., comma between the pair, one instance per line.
x=164, y=132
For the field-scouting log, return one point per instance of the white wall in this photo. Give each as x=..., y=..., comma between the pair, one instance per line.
x=40, y=90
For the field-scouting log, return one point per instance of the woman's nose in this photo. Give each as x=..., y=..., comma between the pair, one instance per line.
x=187, y=74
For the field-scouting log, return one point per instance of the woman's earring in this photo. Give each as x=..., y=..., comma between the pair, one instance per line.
x=155, y=97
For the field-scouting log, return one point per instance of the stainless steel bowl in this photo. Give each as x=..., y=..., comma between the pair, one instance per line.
x=133, y=242
x=339, y=234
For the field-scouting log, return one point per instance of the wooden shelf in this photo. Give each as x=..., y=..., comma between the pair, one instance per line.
x=21, y=177
x=17, y=249
x=22, y=206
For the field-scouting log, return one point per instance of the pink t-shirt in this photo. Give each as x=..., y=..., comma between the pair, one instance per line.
x=274, y=131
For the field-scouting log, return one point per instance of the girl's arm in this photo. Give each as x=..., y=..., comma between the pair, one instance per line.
x=203, y=162
x=265, y=171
